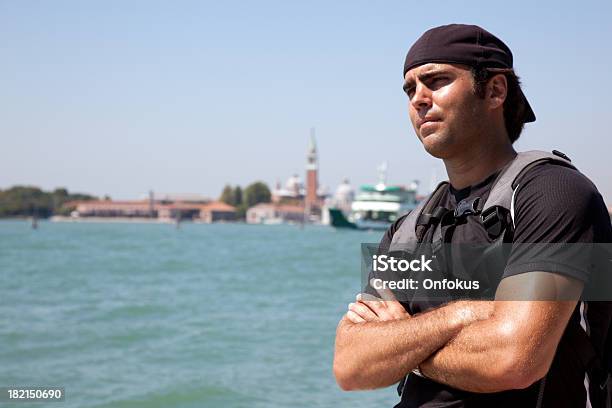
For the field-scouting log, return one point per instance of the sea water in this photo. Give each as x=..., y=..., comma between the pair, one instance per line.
x=151, y=315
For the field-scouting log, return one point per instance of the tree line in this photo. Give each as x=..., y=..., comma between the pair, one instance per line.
x=28, y=201
x=253, y=194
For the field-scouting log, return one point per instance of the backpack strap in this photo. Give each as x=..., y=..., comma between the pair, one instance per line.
x=506, y=182
x=501, y=198
x=591, y=360
x=411, y=231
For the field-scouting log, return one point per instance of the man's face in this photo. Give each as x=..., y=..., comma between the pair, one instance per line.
x=444, y=110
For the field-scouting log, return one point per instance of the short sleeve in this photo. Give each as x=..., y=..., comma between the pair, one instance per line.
x=556, y=204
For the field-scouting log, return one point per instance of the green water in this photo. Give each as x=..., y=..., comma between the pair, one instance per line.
x=145, y=315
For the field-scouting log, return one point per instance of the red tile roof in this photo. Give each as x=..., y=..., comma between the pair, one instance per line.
x=217, y=206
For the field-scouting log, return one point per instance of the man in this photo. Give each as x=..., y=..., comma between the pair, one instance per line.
x=467, y=108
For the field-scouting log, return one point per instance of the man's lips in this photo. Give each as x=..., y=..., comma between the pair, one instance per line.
x=425, y=120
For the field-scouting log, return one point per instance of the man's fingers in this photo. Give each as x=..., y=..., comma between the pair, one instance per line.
x=379, y=307
x=383, y=309
x=354, y=317
x=363, y=311
x=366, y=297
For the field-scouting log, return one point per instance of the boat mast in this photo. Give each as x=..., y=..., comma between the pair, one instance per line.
x=382, y=176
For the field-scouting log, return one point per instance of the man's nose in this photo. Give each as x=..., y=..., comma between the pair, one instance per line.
x=421, y=100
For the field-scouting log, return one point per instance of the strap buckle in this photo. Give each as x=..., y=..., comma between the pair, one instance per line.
x=467, y=207
x=494, y=221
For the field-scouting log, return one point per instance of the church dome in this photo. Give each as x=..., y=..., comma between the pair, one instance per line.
x=294, y=184
x=344, y=192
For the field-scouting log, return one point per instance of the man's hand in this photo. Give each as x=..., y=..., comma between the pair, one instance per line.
x=370, y=309
x=379, y=353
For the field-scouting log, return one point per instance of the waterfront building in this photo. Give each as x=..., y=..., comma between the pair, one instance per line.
x=164, y=211
x=273, y=213
x=178, y=198
x=217, y=211
x=109, y=208
x=178, y=211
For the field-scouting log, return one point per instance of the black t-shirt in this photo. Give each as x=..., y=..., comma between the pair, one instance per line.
x=552, y=204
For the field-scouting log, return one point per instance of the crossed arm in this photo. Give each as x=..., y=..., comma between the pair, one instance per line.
x=474, y=346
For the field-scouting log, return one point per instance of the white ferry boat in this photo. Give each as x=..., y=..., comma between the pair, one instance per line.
x=376, y=206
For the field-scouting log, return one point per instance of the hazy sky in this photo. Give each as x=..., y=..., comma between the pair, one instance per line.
x=119, y=97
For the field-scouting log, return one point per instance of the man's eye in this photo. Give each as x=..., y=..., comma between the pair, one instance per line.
x=439, y=81
x=409, y=92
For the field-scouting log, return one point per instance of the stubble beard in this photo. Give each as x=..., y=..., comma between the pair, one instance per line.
x=448, y=142
x=440, y=143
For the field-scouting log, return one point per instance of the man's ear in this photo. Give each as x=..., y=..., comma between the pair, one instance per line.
x=497, y=91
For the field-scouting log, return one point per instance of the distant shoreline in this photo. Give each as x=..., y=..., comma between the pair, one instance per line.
x=129, y=220
x=61, y=218
x=135, y=220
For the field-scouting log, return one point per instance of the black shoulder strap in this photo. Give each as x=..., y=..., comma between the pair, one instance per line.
x=432, y=212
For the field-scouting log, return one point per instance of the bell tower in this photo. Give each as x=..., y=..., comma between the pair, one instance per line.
x=312, y=169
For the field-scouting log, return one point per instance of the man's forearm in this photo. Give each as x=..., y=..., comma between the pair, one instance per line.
x=503, y=352
x=378, y=354
x=470, y=360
